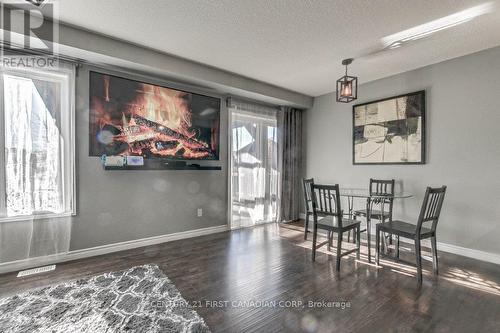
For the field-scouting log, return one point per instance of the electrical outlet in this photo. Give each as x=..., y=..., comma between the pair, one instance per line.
x=200, y=212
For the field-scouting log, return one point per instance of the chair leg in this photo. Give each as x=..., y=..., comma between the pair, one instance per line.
x=390, y=235
x=369, y=238
x=339, y=249
x=377, y=247
x=329, y=239
x=358, y=241
x=353, y=232
x=397, y=247
x=418, y=256
x=306, y=226
x=434, y=255
x=315, y=235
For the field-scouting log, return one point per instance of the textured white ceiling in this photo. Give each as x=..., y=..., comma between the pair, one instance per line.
x=294, y=44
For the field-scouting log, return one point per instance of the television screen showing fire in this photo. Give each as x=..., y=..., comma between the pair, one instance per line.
x=129, y=117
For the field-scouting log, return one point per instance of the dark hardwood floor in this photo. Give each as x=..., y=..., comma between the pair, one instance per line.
x=273, y=263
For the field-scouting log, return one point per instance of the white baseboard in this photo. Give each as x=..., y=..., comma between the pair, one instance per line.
x=122, y=246
x=470, y=253
x=455, y=249
x=17, y=265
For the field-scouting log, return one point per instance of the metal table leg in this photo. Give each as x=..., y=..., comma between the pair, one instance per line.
x=350, y=204
x=368, y=228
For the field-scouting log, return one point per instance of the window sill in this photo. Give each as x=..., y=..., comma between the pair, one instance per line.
x=36, y=217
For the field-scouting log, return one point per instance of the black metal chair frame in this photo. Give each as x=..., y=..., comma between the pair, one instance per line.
x=306, y=183
x=326, y=203
x=383, y=194
x=429, y=213
x=308, y=203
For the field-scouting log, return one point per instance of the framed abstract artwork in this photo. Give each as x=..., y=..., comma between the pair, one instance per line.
x=390, y=130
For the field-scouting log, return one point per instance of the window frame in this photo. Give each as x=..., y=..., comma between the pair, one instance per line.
x=65, y=71
x=266, y=116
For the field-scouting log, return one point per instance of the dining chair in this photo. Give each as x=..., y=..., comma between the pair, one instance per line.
x=382, y=195
x=308, y=203
x=326, y=204
x=429, y=213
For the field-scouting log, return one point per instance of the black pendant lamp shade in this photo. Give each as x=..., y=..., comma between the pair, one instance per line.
x=347, y=86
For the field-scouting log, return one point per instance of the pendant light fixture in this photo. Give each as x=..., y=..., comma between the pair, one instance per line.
x=347, y=86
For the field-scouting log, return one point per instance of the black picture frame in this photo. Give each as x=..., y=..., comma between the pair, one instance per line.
x=422, y=100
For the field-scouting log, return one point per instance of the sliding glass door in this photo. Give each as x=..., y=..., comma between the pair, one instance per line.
x=254, y=174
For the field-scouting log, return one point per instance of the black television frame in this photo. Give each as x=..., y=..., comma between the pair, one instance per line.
x=162, y=85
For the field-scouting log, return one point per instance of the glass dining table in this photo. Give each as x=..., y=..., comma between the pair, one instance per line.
x=371, y=198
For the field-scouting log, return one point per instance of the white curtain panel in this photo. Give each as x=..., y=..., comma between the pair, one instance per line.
x=32, y=149
x=36, y=160
x=36, y=111
x=254, y=172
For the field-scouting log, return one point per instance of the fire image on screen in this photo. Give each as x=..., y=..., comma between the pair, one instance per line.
x=129, y=117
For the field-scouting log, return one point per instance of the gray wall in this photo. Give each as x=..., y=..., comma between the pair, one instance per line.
x=463, y=146
x=117, y=206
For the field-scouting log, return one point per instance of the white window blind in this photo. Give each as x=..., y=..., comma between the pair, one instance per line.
x=37, y=143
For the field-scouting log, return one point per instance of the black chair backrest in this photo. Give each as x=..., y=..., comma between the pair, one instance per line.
x=326, y=201
x=431, y=207
x=307, y=194
x=381, y=188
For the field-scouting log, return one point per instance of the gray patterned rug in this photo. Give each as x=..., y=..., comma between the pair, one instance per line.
x=140, y=299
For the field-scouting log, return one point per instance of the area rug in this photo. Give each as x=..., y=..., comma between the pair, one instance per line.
x=140, y=299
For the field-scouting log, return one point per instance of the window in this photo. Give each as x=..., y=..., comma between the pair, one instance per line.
x=36, y=143
x=254, y=164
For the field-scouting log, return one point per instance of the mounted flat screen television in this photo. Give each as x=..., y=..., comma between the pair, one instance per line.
x=129, y=117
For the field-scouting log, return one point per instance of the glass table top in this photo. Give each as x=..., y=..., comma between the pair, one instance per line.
x=365, y=193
